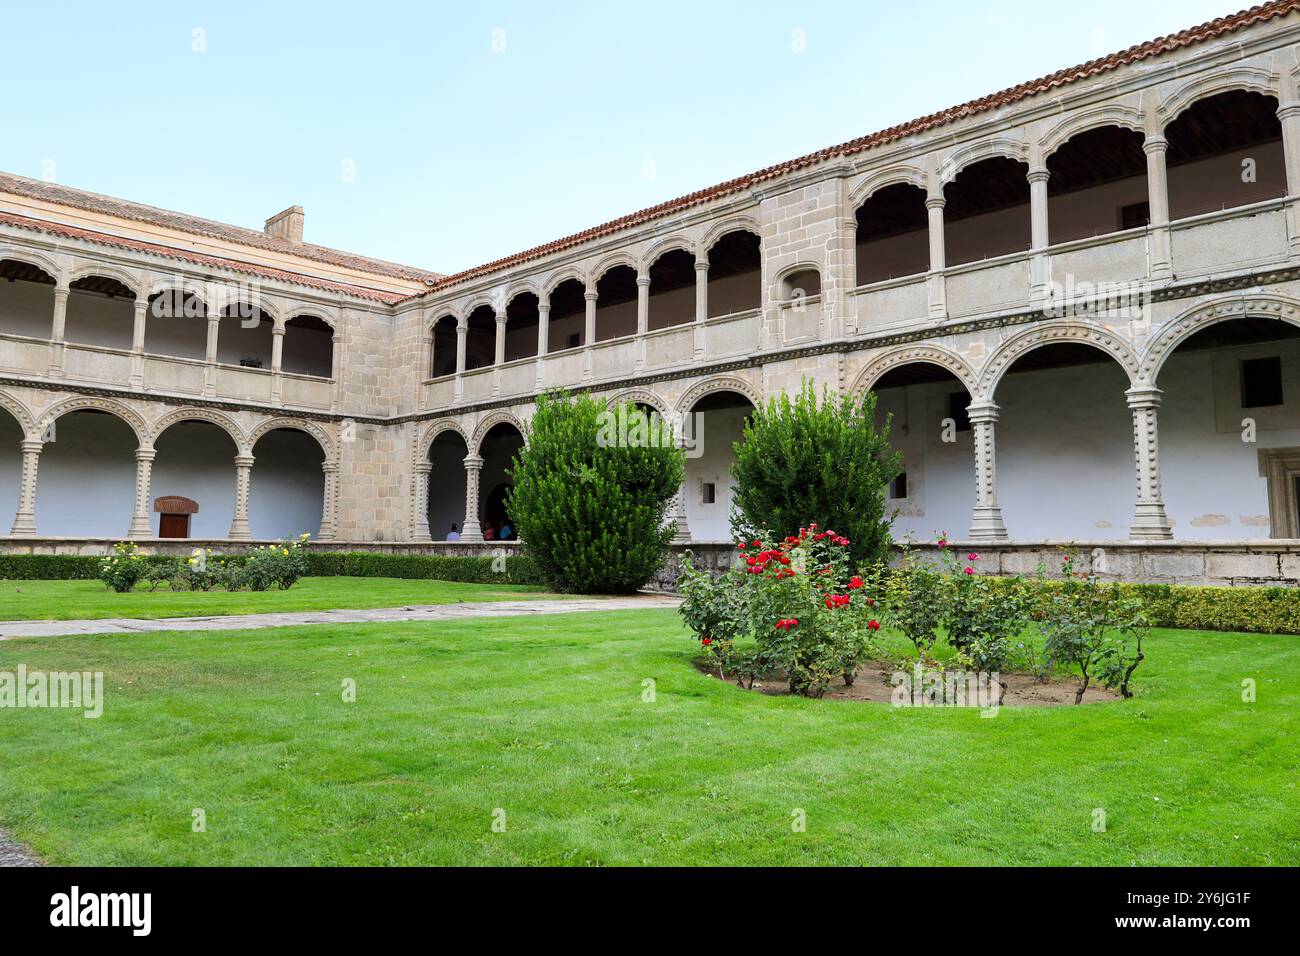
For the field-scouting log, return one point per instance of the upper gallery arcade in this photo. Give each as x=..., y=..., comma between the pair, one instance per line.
x=1077, y=298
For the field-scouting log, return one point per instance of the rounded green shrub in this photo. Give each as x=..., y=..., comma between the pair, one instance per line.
x=591, y=494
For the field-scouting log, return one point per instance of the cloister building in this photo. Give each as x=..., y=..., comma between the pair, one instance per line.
x=1078, y=299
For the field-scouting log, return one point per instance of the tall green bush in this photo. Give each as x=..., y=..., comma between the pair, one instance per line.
x=817, y=460
x=590, y=500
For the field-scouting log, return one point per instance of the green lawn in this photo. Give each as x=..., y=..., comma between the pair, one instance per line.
x=71, y=600
x=544, y=718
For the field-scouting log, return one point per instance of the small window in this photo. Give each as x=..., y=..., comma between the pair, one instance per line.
x=957, y=403
x=250, y=362
x=1134, y=215
x=804, y=284
x=575, y=339
x=709, y=495
x=1261, y=382
x=898, y=487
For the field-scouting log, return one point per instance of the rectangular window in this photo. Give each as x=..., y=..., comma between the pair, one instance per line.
x=898, y=487
x=1134, y=215
x=957, y=402
x=709, y=494
x=1261, y=382
x=574, y=340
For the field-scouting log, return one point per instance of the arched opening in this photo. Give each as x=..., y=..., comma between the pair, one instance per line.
x=672, y=290
x=446, y=509
x=522, y=318
x=616, y=303
x=986, y=211
x=1225, y=150
x=800, y=285
x=442, y=347
x=101, y=311
x=196, y=460
x=480, y=338
x=893, y=234
x=287, y=485
x=245, y=336
x=1229, y=425
x=308, y=347
x=716, y=423
x=498, y=449
x=735, y=274
x=85, y=482
x=26, y=300
x=1098, y=184
x=177, y=325
x=1064, y=442
x=11, y=467
x=567, y=324
x=925, y=405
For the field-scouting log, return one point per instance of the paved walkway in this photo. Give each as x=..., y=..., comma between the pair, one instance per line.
x=424, y=612
x=14, y=854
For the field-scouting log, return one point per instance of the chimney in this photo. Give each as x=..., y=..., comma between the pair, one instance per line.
x=286, y=225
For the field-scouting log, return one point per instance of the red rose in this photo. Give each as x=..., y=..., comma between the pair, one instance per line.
x=968, y=571
x=855, y=582
x=757, y=543
x=706, y=641
x=972, y=557
x=874, y=625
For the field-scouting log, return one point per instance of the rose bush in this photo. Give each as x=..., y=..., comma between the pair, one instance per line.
x=123, y=568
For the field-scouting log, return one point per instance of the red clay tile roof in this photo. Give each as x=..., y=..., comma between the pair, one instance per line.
x=1141, y=51
x=195, y=258
x=137, y=212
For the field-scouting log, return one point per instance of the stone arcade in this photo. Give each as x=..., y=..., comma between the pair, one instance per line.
x=1078, y=298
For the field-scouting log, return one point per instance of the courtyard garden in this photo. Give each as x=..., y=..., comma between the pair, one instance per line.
x=592, y=739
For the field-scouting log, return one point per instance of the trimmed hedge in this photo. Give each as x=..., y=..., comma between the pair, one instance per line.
x=55, y=567
x=512, y=569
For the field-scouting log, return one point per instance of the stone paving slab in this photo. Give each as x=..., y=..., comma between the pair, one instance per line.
x=422, y=612
x=15, y=854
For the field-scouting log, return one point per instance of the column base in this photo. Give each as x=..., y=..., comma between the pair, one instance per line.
x=140, y=528
x=1150, y=523
x=986, y=524
x=239, y=531
x=24, y=526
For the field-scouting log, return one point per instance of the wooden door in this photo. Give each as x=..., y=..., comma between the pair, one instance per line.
x=174, y=526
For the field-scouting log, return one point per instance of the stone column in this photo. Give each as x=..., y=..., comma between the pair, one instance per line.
x=543, y=340
x=336, y=366
x=677, y=514
x=701, y=304
x=588, y=335
x=642, y=316
x=277, y=360
x=422, y=471
x=243, y=477
x=1156, y=146
x=462, y=332
x=848, y=274
x=137, y=340
x=140, y=524
x=471, y=530
x=1149, y=518
x=1039, y=263
x=328, y=519
x=1289, y=114
x=986, y=520
x=210, y=356
x=24, y=525
x=934, y=204
x=57, y=327
x=499, y=352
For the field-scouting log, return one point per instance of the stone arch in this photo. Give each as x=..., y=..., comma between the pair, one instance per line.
x=328, y=316
x=144, y=437
x=300, y=424
x=129, y=279
x=779, y=290
x=21, y=413
x=1048, y=334
x=492, y=299
x=718, y=383
x=558, y=278
x=1172, y=335
x=1116, y=114
x=911, y=175
x=910, y=354
x=518, y=288
x=490, y=422
x=610, y=261
x=1252, y=78
x=985, y=149
x=661, y=248
x=224, y=422
x=433, y=430
x=33, y=258
x=740, y=223
x=642, y=396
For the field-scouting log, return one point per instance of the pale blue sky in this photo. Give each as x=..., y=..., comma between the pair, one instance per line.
x=464, y=153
